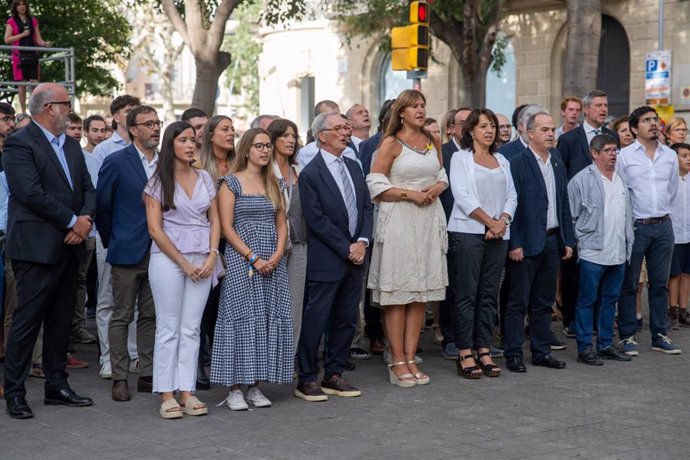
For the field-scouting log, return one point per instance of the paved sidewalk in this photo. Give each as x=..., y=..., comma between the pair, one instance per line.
x=618, y=411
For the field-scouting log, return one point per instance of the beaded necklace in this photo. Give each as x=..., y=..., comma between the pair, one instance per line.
x=425, y=151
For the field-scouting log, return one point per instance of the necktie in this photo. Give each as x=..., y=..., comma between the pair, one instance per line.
x=349, y=196
x=597, y=132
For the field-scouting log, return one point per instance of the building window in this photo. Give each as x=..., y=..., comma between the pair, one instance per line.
x=391, y=82
x=500, y=86
x=306, y=87
x=613, y=76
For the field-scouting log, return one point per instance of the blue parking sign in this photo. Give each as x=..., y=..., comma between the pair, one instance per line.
x=652, y=65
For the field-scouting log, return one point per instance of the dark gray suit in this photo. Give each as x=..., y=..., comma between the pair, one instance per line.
x=41, y=205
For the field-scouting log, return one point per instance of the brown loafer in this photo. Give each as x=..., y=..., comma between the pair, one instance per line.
x=336, y=385
x=144, y=386
x=121, y=391
x=310, y=391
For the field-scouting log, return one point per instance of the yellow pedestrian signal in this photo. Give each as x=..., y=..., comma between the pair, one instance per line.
x=410, y=44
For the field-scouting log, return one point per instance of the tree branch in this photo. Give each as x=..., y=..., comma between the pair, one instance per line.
x=177, y=21
x=217, y=30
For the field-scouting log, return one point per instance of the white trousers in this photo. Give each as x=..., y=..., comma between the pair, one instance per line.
x=104, y=307
x=179, y=306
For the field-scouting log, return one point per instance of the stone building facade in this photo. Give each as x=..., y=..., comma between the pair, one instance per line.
x=310, y=61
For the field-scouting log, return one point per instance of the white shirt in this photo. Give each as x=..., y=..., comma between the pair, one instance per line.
x=309, y=151
x=550, y=181
x=356, y=141
x=653, y=183
x=92, y=166
x=680, y=211
x=613, y=248
x=591, y=131
x=149, y=168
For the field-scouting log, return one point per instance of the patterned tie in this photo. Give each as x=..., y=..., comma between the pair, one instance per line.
x=349, y=195
x=597, y=132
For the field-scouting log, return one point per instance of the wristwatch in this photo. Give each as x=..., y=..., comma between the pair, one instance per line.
x=507, y=221
x=403, y=194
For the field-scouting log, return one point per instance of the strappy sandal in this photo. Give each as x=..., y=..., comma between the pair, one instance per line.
x=192, y=406
x=422, y=378
x=490, y=370
x=406, y=380
x=170, y=409
x=470, y=372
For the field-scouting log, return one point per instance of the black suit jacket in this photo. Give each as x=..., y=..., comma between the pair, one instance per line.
x=41, y=202
x=446, y=197
x=528, y=230
x=512, y=148
x=575, y=150
x=327, y=220
x=366, y=151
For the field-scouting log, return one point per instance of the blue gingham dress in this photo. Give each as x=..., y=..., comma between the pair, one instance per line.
x=253, y=338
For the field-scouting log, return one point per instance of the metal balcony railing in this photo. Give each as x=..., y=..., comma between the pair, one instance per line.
x=9, y=88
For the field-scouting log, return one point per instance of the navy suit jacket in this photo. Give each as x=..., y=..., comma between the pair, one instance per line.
x=42, y=203
x=366, y=151
x=575, y=150
x=511, y=149
x=528, y=229
x=446, y=197
x=327, y=220
x=120, y=209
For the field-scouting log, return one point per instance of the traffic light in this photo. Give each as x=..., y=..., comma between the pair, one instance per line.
x=411, y=43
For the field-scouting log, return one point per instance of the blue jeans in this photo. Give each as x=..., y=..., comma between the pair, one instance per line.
x=655, y=242
x=601, y=282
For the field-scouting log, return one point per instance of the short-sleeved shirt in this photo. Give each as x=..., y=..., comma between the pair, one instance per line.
x=187, y=225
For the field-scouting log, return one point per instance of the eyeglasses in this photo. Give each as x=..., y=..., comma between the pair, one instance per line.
x=339, y=129
x=150, y=124
x=610, y=151
x=649, y=120
x=9, y=119
x=67, y=103
x=266, y=147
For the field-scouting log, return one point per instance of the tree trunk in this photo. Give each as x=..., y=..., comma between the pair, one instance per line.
x=206, y=85
x=582, y=47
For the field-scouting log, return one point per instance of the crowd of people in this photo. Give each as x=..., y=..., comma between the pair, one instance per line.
x=265, y=259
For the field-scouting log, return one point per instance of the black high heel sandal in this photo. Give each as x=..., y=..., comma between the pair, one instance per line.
x=470, y=372
x=490, y=370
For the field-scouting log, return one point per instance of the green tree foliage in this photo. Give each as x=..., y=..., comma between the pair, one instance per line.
x=96, y=31
x=468, y=27
x=243, y=45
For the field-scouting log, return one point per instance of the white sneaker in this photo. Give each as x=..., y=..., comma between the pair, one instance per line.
x=235, y=401
x=106, y=371
x=256, y=397
x=134, y=366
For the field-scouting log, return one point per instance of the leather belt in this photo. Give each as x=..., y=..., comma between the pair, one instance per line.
x=652, y=220
x=552, y=231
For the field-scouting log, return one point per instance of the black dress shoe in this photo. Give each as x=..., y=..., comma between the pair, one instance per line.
x=590, y=358
x=548, y=361
x=18, y=408
x=66, y=397
x=611, y=353
x=516, y=364
x=145, y=385
x=202, y=381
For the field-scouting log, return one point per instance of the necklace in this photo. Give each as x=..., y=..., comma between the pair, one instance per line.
x=425, y=151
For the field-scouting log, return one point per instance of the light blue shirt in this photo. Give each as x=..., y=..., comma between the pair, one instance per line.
x=4, y=198
x=92, y=167
x=105, y=148
x=57, y=143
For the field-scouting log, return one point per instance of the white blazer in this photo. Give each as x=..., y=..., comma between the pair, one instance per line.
x=464, y=188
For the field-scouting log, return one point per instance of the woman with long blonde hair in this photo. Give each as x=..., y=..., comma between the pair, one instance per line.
x=253, y=338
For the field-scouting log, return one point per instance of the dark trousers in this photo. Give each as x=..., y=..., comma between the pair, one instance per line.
x=45, y=295
x=570, y=281
x=208, y=326
x=477, y=268
x=599, y=285
x=655, y=242
x=332, y=309
x=532, y=289
x=446, y=316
